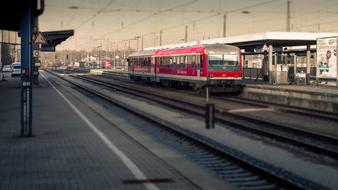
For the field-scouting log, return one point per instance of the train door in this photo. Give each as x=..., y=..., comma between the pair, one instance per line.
x=152, y=69
x=157, y=69
x=198, y=64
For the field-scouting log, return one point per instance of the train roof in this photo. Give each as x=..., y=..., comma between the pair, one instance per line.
x=142, y=53
x=187, y=50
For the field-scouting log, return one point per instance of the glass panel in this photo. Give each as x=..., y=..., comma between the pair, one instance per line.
x=223, y=62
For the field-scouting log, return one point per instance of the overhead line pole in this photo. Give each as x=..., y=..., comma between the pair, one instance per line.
x=225, y=25
x=186, y=34
x=288, y=17
x=161, y=33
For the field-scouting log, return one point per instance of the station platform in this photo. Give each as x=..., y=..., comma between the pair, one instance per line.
x=74, y=147
x=323, y=98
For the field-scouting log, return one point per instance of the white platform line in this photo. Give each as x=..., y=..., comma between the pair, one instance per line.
x=250, y=110
x=130, y=164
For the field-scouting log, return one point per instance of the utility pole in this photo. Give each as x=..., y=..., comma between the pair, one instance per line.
x=225, y=25
x=129, y=44
x=288, y=17
x=141, y=42
x=137, y=43
x=186, y=33
x=161, y=33
x=154, y=38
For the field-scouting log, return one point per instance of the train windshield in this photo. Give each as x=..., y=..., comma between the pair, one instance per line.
x=223, y=62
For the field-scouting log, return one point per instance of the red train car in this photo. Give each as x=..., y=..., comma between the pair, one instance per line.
x=218, y=65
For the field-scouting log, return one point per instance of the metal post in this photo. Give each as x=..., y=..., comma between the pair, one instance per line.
x=308, y=56
x=225, y=25
x=186, y=34
x=270, y=63
x=137, y=43
x=207, y=90
x=209, y=116
x=336, y=66
x=244, y=61
x=265, y=66
x=142, y=43
x=294, y=67
x=26, y=27
x=276, y=67
x=288, y=17
x=161, y=33
x=114, y=60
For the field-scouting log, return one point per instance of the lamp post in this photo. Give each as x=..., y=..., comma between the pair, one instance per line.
x=116, y=60
x=98, y=47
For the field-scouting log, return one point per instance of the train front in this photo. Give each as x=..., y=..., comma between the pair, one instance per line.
x=223, y=68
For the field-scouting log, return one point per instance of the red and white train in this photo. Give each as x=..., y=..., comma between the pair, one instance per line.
x=218, y=65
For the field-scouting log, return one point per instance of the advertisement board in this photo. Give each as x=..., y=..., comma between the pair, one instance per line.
x=327, y=58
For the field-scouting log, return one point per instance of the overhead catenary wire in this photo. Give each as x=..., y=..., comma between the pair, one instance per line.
x=95, y=14
x=150, y=16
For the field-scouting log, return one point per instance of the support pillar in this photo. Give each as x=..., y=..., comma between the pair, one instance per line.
x=26, y=28
x=294, y=67
x=265, y=65
x=270, y=63
x=308, y=64
x=336, y=66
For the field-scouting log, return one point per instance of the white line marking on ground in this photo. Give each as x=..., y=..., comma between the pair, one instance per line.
x=130, y=165
x=249, y=110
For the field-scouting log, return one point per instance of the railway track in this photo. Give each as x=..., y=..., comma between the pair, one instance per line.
x=285, y=108
x=292, y=109
x=234, y=167
x=316, y=143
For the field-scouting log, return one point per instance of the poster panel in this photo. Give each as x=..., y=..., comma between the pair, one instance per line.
x=327, y=58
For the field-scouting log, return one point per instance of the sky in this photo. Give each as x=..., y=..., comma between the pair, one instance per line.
x=114, y=24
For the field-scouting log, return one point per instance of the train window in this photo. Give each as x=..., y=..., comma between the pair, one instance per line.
x=189, y=59
x=145, y=60
x=166, y=62
x=170, y=60
x=135, y=62
x=223, y=62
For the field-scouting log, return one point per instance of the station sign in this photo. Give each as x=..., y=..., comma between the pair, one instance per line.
x=47, y=48
x=39, y=39
x=36, y=53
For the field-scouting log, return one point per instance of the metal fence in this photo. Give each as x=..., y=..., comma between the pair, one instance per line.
x=253, y=73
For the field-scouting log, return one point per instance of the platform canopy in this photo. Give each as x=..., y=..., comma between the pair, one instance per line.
x=275, y=38
x=54, y=38
x=259, y=39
